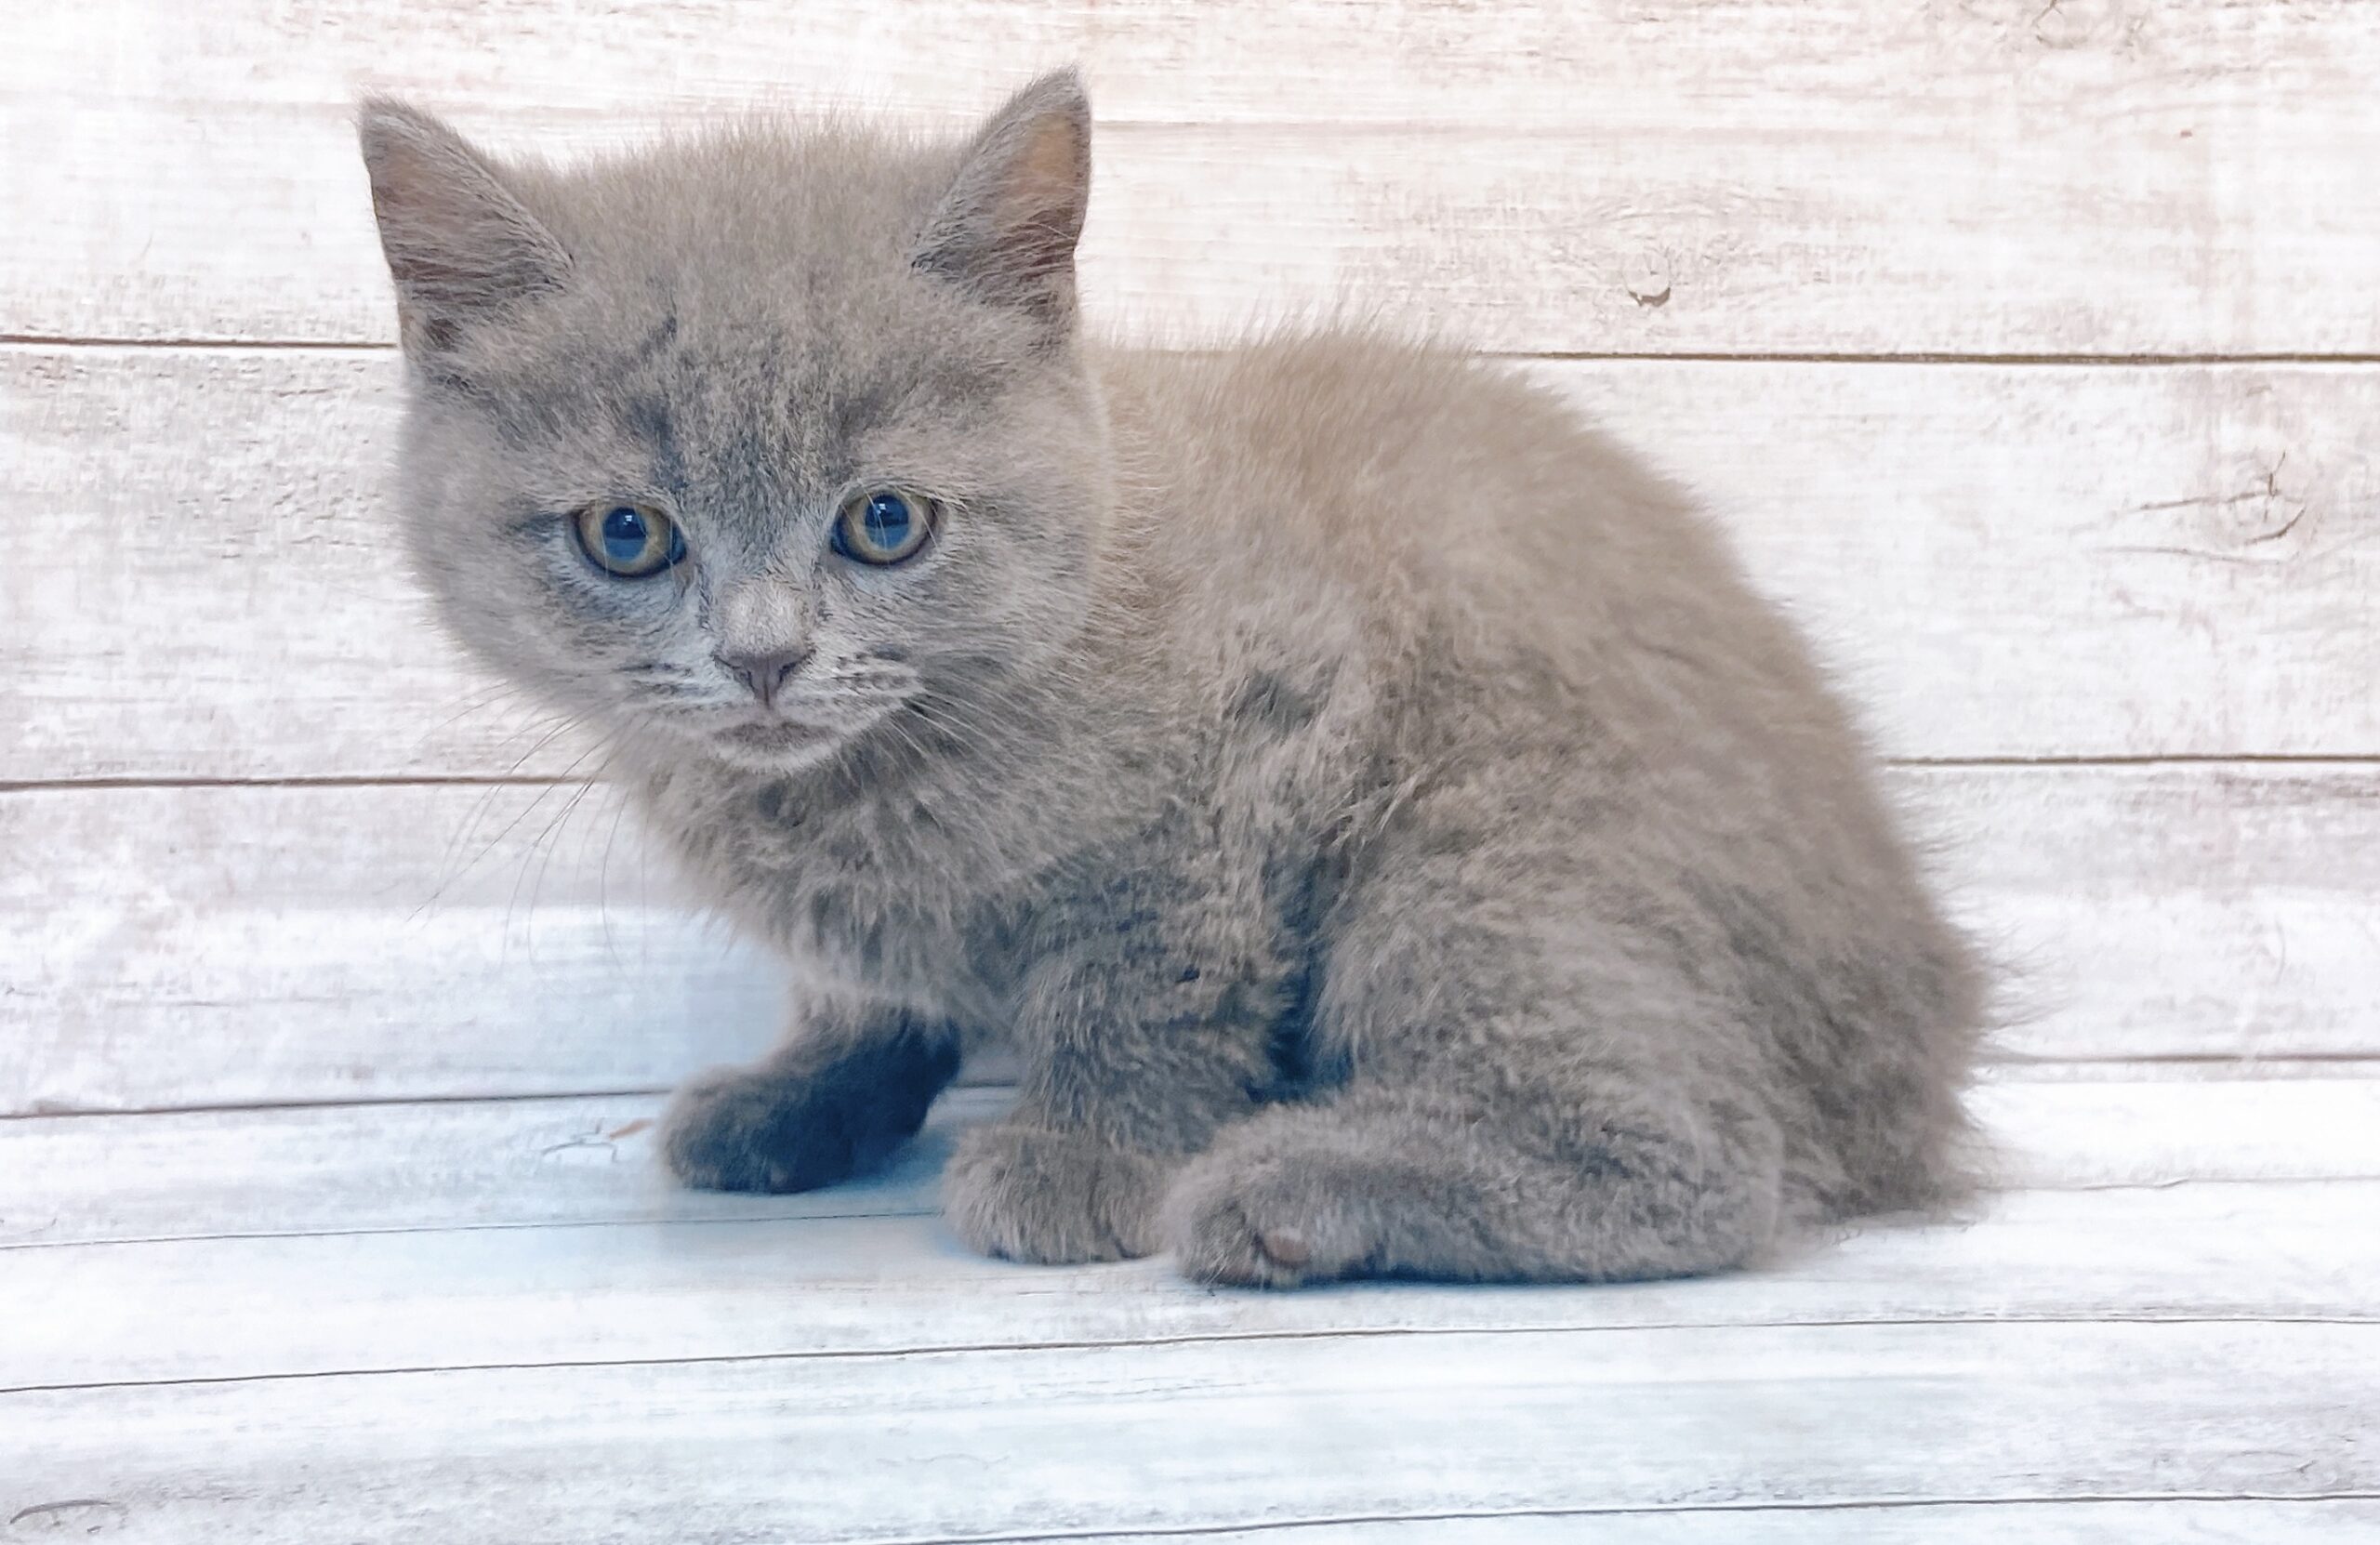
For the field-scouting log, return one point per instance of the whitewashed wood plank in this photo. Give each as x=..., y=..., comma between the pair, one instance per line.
x=997, y=1443
x=1525, y=62
x=2047, y=561
x=2147, y=911
x=220, y=594
x=1767, y=177
x=199, y=946
x=2092, y=1520
x=567, y=1162
x=187, y=946
x=589, y=1161
x=2215, y=1121
x=672, y=1291
x=2098, y=1522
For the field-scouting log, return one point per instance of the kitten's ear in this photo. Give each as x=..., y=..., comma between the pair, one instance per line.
x=459, y=245
x=1007, y=227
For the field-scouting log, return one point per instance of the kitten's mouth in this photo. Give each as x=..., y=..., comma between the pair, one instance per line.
x=777, y=742
x=774, y=736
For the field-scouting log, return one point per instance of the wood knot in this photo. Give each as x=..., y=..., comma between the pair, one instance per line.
x=1647, y=280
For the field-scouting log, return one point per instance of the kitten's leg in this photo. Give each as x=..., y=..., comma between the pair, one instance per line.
x=1495, y=1184
x=835, y=1100
x=1544, y=1085
x=1133, y=1058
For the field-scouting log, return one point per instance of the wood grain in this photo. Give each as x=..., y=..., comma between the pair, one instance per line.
x=827, y=1285
x=997, y=1443
x=1525, y=62
x=589, y=1161
x=220, y=594
x=2096, y=178
x=234, y=945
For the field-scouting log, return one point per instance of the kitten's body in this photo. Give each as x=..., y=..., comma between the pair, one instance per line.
x=1397, y=841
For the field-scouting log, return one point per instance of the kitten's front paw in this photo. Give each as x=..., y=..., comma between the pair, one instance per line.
x=1255, y=1223
x=1030, y=1193
x=754, y=1129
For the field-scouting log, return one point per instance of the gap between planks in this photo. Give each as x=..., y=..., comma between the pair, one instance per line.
x=2353, y=1063
x=1196, y=1339
x=42, y=341
x=2361, y=760
x=1750, y=1512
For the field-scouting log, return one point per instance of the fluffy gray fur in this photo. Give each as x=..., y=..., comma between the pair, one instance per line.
x=1394, y=837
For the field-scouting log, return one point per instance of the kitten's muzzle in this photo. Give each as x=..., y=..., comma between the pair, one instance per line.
x=762, y=673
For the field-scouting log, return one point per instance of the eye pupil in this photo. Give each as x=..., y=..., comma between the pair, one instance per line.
x=888, y=521
x=625, y=535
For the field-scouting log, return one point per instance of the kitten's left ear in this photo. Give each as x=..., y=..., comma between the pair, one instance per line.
x=460, y=247
x=1007, y=227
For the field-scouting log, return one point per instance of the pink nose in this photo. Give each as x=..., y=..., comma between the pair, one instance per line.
x=764, y=674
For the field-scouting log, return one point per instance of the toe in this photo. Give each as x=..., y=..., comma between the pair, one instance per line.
x=1028, y=1194
x=1258, y=1226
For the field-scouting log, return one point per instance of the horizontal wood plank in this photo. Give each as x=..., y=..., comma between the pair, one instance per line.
x=1765, y=177
x=589, y=1161
x=193, y=946
x=672, y=1291
x=1001, y=1443
x=1524, y=62
x=221, y=594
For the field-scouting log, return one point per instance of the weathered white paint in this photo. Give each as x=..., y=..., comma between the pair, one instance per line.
x=220, y=594
x=218, y=945
x=668, y=1291
x=1000, y=1441
x=588, y=1160
x=2098, y=176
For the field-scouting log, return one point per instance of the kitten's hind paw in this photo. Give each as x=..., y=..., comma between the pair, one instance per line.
x=1253, y=1224
x=1029, y=1193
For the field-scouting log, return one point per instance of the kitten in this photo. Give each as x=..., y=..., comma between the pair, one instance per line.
x=1393, y=836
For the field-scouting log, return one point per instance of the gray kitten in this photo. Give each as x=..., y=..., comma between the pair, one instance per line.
x=1394, y=837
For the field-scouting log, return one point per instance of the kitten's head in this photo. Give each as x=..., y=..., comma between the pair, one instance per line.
x=748, y=444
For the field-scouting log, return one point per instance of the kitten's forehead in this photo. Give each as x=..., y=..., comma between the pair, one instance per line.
x=750, y=198
x=744, y=312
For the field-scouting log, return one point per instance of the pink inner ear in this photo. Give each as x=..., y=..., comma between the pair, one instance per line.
x=1048, y=171
x=455, y=239
x=1038, y=214
x=1008, y=227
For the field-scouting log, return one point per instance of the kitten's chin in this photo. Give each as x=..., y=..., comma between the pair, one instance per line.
x=773, y=745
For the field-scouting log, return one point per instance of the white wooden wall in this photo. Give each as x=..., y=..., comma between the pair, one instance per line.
x=2029, y=352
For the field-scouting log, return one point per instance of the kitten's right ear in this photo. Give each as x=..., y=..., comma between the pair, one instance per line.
x=1007, y=227
x=460, y=247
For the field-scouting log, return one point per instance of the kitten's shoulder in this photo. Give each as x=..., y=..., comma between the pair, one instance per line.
x=1385, y=464
x=1324, y=394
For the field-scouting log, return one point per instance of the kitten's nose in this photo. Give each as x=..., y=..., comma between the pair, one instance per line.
x=764, y=673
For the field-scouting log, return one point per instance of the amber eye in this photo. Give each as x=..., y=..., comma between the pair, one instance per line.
x=628, y=540
x=882, y=527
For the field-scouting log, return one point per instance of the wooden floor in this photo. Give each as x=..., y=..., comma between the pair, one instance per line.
x=494, y=1321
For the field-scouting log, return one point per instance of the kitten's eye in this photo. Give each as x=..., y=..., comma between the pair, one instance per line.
x=884, y=527
x=631, y=542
